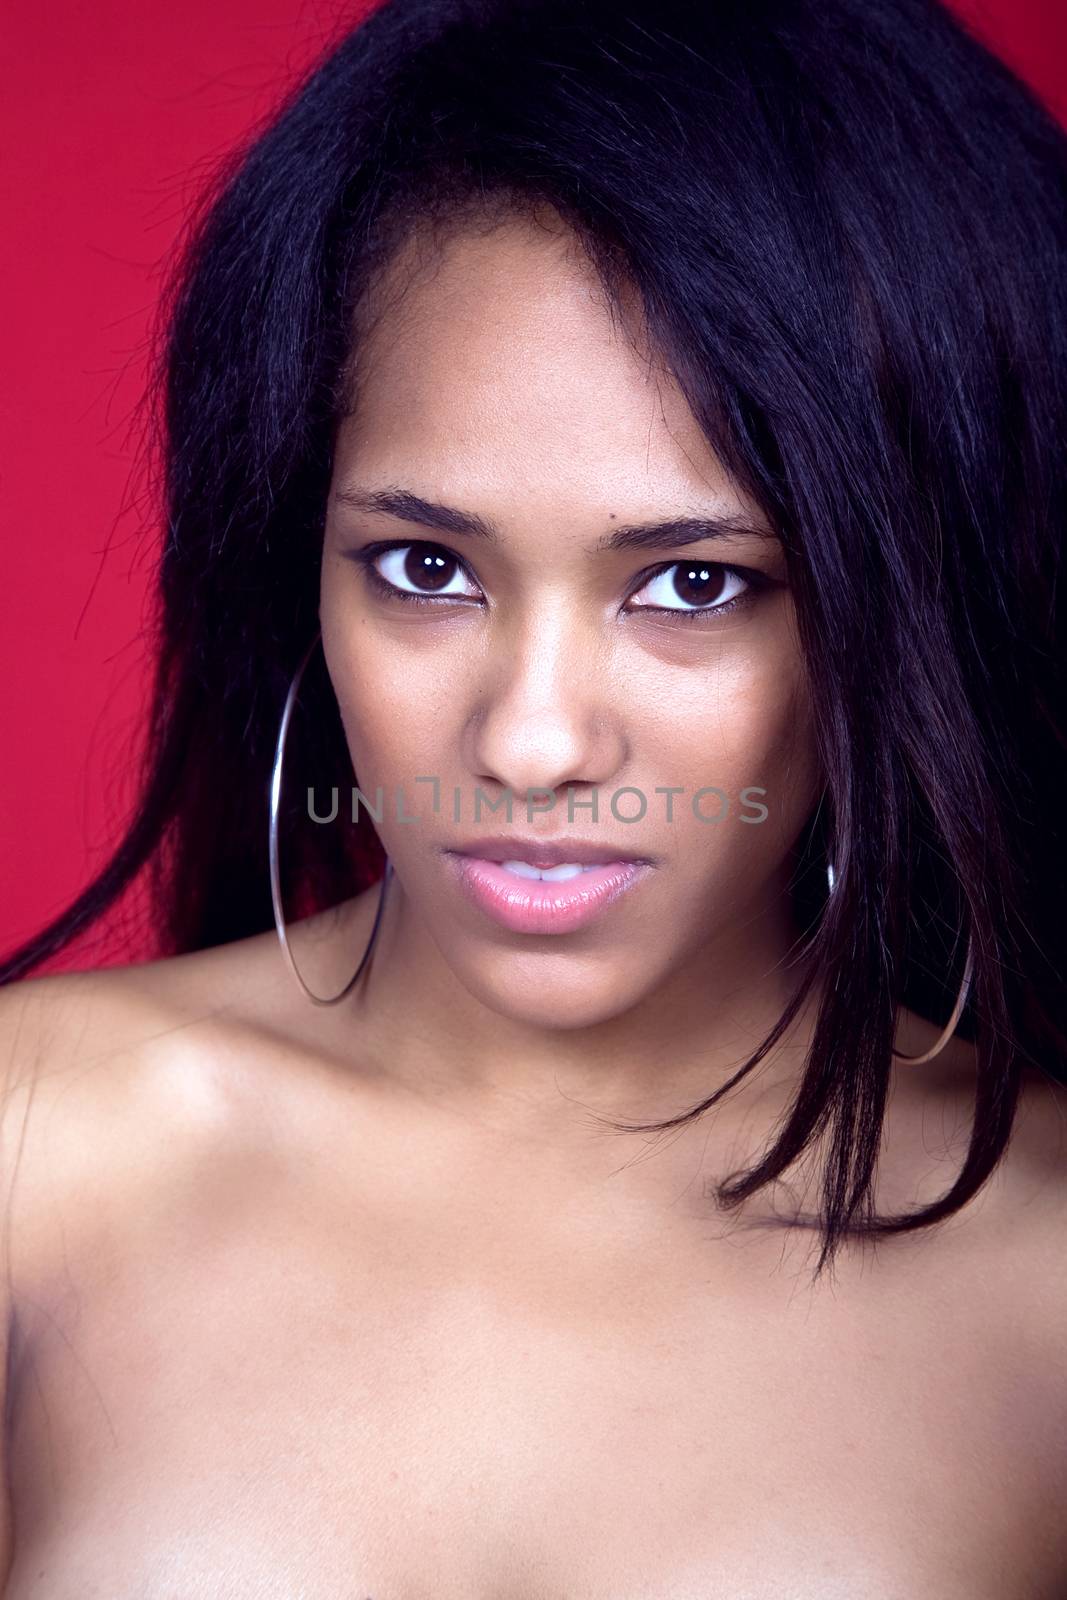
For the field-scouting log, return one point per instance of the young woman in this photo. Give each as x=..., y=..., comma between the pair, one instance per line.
x=611, y=629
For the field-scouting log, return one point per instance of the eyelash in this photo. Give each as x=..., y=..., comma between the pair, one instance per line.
x=366, y=557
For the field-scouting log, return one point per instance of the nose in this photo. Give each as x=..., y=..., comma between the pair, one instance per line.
x=547, y=713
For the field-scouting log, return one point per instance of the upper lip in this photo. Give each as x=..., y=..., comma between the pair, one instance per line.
x=543, y=852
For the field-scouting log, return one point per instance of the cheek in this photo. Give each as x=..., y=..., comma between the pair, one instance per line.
x=787, y=757
x=747, y=725
x=394, y=702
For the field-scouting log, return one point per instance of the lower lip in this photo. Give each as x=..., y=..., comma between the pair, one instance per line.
x=532, y=905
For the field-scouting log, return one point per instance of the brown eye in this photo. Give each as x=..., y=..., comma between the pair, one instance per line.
x=424, y=569
x=686, y=587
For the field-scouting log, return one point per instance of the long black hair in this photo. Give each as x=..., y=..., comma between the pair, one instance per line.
x=846, y=221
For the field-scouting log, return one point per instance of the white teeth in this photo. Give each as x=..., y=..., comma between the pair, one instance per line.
x=560, y=874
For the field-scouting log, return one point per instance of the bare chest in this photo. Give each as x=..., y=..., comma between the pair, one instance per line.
x=311, y=1407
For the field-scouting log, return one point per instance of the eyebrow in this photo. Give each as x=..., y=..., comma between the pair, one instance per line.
x=663, y=535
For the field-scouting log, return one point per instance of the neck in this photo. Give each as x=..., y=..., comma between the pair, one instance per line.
x=660, y=1052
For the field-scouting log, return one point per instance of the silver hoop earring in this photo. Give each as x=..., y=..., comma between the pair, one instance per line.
x=957, y=1011
x=275, y=877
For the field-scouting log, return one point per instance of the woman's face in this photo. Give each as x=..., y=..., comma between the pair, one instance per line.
x=556, y=655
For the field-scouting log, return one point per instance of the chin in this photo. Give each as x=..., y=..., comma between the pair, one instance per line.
x=554, y=990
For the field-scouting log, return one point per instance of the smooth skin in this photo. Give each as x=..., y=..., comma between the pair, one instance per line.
x=366, y=1302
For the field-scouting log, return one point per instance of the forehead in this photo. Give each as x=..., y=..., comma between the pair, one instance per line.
x=498, y=351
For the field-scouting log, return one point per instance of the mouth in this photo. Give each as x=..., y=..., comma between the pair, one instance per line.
x=556, y=898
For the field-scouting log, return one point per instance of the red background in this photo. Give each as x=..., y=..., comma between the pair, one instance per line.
x=114, y=113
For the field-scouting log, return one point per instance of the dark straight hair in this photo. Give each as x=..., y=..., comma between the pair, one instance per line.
x=846, y=223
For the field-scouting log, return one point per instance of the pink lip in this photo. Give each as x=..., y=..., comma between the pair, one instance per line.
x=525, y=905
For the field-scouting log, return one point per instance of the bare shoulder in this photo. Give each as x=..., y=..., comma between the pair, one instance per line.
x=944, y=1091
x=1026, y=1282
x=1020, y=1241
x=136, y=1116
x=1014, y=1229
x=137, y=1095
x=118, y=1087
x=1035, y=1176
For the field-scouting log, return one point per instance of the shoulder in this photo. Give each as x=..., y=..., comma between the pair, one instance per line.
x=133, y=1095
x=938, y=1100
x=1011, y=1235
x=95, y=1114
x=118, y=1087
